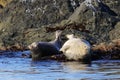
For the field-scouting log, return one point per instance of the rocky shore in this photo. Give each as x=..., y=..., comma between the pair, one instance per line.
x=105, y=51
x=108, y=51
x=25, y=21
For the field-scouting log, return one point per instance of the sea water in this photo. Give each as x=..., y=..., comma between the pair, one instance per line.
x=16, y=68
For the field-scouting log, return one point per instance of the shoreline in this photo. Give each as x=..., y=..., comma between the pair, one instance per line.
x=109, y=51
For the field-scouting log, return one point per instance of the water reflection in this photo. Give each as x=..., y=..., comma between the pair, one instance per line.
x=75, y=66
x=25, y=69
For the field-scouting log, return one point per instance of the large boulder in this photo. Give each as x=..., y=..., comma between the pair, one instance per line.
x=100, y=19
x=22, y=21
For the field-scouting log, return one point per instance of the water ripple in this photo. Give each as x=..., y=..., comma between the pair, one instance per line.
x=26, y=69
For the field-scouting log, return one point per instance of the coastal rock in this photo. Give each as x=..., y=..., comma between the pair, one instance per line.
x=3, y=3
x=23, y=22
x=99, y=19
x=110, y=50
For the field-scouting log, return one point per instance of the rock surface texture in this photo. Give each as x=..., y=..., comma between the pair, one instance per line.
x=25, y=21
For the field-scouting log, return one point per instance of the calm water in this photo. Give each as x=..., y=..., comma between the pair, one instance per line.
x=25, y=69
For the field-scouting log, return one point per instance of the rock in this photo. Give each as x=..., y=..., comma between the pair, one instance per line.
x=110, y=50
x=115, y=33
x=25, y=21
x=98, y=18
x=3, y=3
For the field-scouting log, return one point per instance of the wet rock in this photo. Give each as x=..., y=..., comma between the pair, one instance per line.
x=109, y=50
x=16, y=47
x=105, y=51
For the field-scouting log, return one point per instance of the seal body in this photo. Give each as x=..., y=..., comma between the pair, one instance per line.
x=43, y=49
x=76, y=48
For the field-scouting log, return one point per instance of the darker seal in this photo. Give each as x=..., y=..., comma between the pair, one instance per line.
x=43, y=49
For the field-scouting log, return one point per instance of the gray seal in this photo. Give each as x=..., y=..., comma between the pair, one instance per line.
x=76, y=49
x=43, y=49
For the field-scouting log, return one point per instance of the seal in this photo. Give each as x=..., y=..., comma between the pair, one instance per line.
x=76, y=48
x=43, y=49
